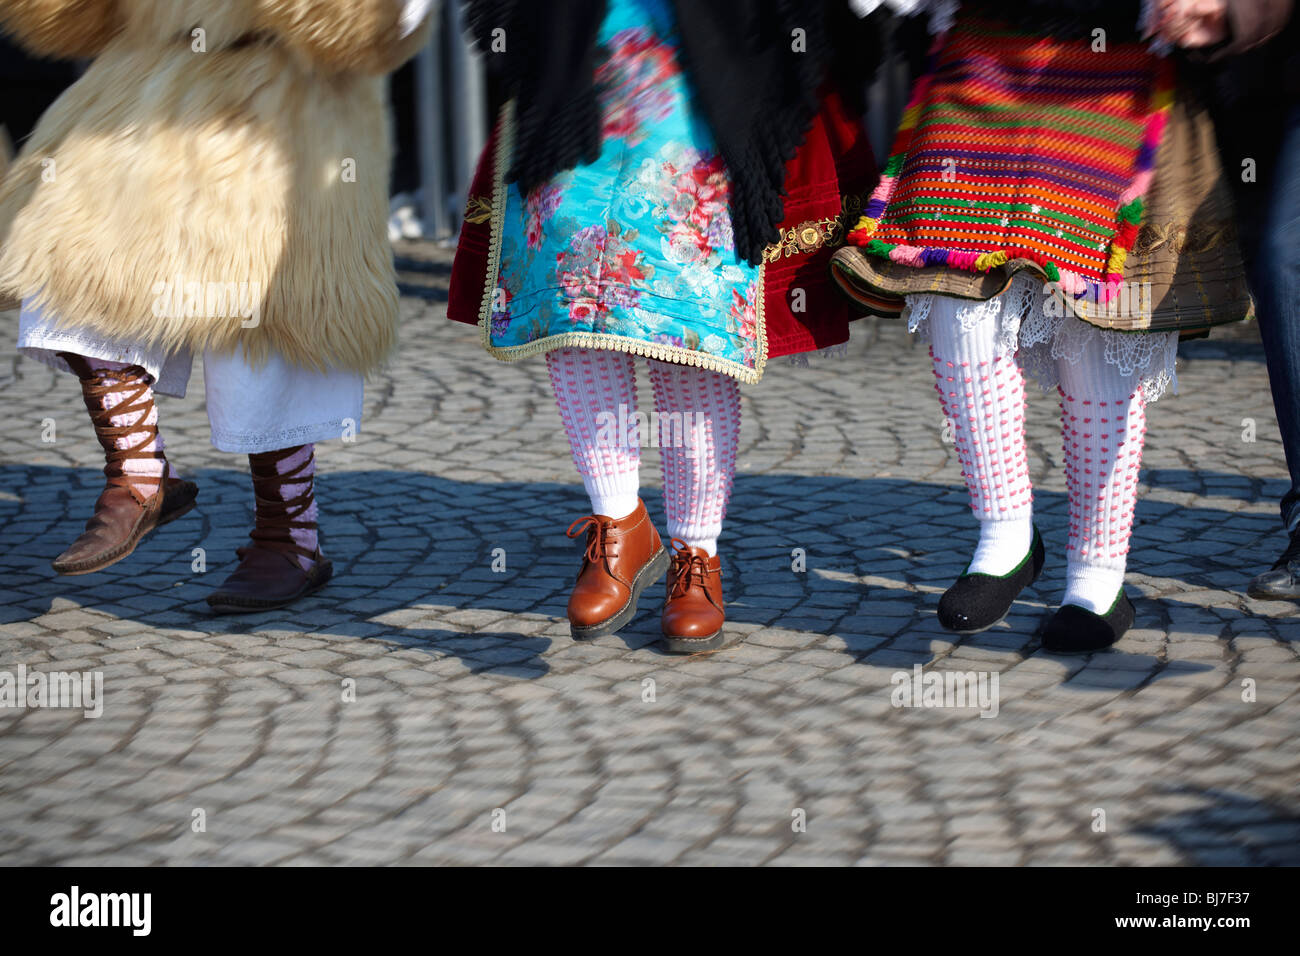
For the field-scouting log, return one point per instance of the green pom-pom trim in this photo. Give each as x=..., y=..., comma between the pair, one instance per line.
x=1132, y=212
x=878, y=247
x=1053, y=273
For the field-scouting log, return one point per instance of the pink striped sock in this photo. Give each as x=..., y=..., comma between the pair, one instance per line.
x=699, y=431
x=595, y=390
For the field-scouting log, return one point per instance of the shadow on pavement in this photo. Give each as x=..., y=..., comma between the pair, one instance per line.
x=1231, y=829
x=412, y=548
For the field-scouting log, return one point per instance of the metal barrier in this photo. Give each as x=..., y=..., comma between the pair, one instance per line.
x=451, y=120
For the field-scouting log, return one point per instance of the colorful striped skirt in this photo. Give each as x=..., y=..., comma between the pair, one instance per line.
x=1025, y=153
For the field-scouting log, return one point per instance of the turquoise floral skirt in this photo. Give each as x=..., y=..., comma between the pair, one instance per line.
x=633, y=252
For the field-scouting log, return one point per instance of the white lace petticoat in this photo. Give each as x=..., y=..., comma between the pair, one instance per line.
x=1040, y=340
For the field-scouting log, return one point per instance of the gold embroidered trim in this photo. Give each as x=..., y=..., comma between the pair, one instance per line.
x=1190, y=238
x=505, y=146
x=621, y=343
x=595, y=340
x=478, y=209
x=813, y=234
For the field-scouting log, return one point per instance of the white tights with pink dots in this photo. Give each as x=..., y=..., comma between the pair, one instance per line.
x=698, y=415
x=1103, y=424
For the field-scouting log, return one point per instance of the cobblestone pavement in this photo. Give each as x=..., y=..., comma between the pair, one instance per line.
x=481, y=733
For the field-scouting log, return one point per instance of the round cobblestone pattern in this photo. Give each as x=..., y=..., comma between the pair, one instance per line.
x=425, y=708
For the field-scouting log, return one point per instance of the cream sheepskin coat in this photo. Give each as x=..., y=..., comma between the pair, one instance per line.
x=226, y=148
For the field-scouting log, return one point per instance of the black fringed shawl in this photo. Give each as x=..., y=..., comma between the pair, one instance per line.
x=1065, y=18
x=756, y=78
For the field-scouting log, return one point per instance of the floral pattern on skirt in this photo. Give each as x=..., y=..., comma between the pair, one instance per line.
x=637, y=247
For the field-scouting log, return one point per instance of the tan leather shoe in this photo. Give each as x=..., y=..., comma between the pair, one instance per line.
x=694, y=611
x=121, y=520
x=623, y=557
x=130, y=506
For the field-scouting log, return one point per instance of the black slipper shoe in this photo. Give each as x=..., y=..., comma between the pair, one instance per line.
x=976, y=602
x=1074, y=630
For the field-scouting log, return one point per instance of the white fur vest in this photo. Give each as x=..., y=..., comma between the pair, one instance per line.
x=218, y=177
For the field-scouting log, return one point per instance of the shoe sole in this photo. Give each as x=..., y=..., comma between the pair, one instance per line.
x=109, y=558
x=1131, y=614
x=1260, y=595
x=687, y=645
x=651, y=571
x=1079, y=652
x=252, y=606
x=987, y=627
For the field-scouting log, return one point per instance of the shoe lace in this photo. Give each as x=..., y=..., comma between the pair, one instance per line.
x=688, y=569
x=133, y=382
x=278, y=517
x=600, y=543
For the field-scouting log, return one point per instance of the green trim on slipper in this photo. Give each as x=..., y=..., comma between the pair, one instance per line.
x=1034, y=542
x=1106, y=613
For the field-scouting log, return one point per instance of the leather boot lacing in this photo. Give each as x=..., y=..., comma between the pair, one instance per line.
x=134, y=383
x=278, y=518
x=600, y=544
x=688, y=570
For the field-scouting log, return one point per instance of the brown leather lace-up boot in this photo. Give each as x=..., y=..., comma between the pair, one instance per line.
x=694, y=611
x=623, y=556
x=130, y=506
x=270, y=574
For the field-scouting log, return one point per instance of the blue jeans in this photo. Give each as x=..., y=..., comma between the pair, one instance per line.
x=1268, y=213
